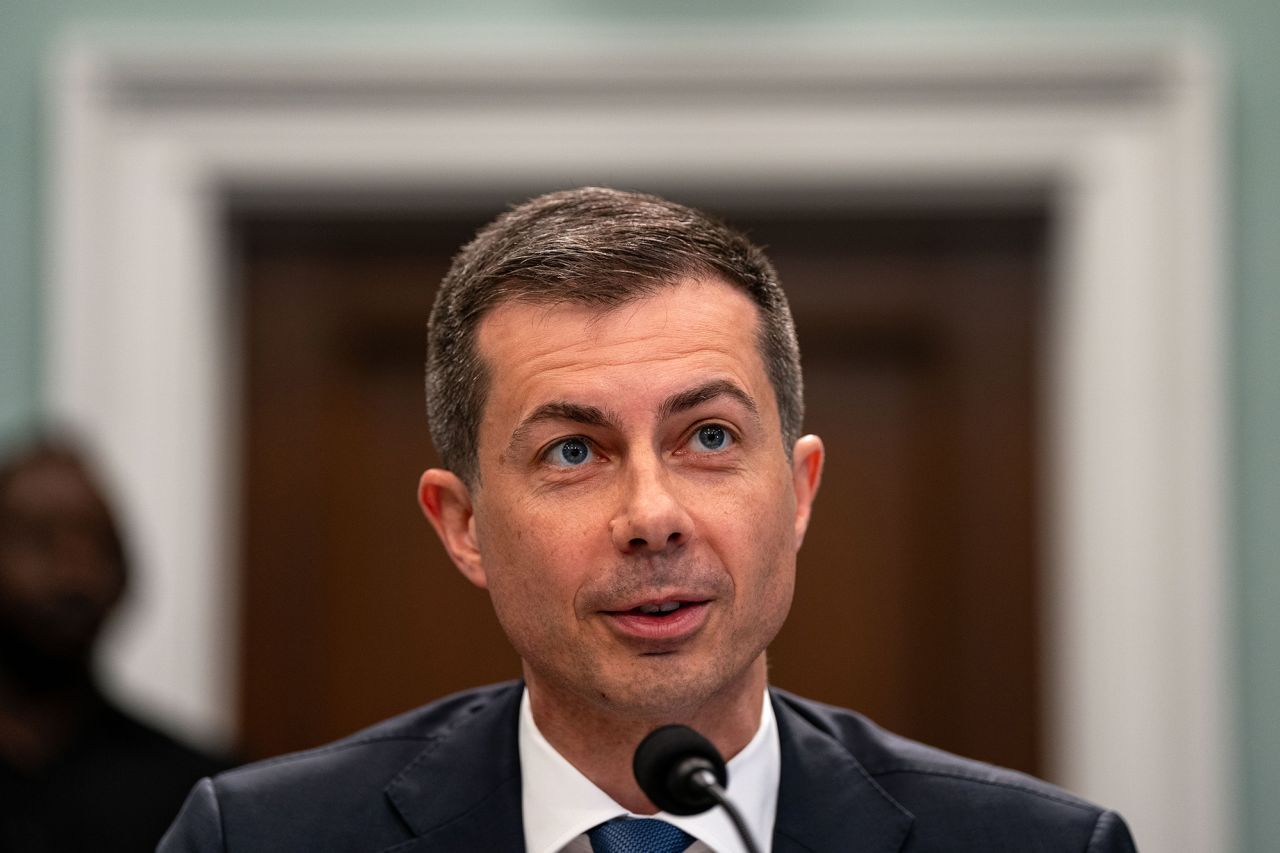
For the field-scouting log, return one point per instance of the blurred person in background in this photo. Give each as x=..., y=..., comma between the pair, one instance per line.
x=76, y=772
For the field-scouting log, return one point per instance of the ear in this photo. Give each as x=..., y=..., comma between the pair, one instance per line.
x=806, y=475
x=446, y=502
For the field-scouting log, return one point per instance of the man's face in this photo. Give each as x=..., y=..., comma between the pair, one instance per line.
x=637, y=519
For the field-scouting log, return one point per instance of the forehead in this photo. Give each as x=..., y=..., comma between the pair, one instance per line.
x=50, y=485
x=694, y=329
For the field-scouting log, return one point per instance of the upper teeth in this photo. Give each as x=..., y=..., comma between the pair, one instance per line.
x=664, y=607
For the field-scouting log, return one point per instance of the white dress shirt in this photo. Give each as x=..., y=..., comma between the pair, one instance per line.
x=559, y=804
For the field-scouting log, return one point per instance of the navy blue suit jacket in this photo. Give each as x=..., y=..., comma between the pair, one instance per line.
x=446, y=777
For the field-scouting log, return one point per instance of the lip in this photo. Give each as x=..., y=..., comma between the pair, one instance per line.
x=680, y=625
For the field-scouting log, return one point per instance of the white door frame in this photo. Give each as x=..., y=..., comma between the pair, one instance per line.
x=153, y=133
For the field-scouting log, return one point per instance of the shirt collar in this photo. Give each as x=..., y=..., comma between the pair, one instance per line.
x=559, y=803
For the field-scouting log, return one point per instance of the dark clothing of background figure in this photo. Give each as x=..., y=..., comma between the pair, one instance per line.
x=446, y=777
x=116, y=788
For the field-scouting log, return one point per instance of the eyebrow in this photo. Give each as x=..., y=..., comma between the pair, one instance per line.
x=682, y=401
x=694, y=397
x=562, y=410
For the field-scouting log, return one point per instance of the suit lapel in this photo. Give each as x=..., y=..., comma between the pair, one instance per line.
x=462, y=793
x=826, y=799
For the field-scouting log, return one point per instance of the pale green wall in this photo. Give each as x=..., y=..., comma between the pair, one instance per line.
x=1246, y=30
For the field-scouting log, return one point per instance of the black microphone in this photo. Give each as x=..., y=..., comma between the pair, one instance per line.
x=682, y=773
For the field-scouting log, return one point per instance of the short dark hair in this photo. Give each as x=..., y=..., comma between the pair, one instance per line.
x=596, y=247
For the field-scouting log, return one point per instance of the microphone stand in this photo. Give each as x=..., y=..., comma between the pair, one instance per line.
x=706, y=780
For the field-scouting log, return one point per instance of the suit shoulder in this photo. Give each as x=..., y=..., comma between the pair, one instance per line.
x=963, y=795
x=884, y=754
x=337, y=796
x=396, y=737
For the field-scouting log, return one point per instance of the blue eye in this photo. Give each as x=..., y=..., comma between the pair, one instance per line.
x=712, y=437
x=569, y=453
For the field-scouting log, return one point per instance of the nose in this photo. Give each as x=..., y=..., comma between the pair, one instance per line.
x=650, y=517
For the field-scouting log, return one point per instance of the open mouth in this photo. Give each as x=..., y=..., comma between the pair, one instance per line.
x=666, y=608
x=663, y=621
x=660, y=610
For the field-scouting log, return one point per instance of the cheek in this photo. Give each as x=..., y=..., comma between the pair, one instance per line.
x=535, y=566
x=759, y=520
x=760, y=533
x=22, y=564
x=767, y=582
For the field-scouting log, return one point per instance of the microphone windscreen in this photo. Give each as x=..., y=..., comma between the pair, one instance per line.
x=665, y=762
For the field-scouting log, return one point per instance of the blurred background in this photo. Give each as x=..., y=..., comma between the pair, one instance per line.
x=1031, y=259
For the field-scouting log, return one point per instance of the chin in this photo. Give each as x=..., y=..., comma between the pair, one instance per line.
x=665, y=692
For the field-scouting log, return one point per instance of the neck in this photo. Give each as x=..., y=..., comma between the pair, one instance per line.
x=601, y=742
x=39, y=718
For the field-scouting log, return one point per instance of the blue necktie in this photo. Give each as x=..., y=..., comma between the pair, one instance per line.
x=638, y=835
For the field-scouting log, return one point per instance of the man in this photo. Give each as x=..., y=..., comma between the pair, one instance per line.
x=76, y=773
x=614, y=389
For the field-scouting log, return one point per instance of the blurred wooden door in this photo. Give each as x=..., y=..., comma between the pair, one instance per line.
x=916, y=599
